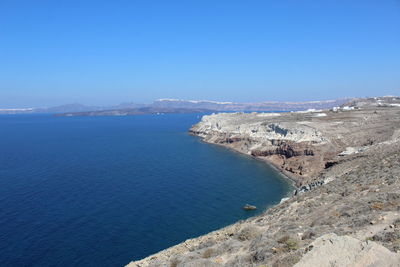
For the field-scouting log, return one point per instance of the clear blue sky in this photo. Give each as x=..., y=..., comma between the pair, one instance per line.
x=106, y=52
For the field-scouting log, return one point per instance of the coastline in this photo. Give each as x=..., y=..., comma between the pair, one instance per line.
x=292, y=179
x=286, y=176
x=318, y=210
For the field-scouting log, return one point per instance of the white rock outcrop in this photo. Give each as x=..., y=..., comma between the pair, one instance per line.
x=331, y=250
x=257, y=127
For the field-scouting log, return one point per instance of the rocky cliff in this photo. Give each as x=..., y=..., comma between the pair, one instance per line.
x=346, y=163
x=302, y=144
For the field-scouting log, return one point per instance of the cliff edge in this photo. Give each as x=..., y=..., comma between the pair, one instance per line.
x=346, y=164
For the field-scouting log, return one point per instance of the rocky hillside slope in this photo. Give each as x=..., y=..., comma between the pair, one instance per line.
x=347, y=166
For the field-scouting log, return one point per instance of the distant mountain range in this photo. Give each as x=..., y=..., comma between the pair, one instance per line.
x=177, y=106
x=257, y=106
x=69, y=108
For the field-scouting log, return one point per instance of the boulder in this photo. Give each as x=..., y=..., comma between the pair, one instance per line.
x=331, y=250
x=249, y=207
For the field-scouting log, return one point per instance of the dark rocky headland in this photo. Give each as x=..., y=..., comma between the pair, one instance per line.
x=345, y=163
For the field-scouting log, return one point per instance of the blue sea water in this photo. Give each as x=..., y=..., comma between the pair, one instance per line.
x=102, y=191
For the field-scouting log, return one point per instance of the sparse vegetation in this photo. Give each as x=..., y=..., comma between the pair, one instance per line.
x=287, y=261
x=292, y=244
x=377, y=206
x=289, y=243
x=283, y=239
x=208, y=253
x=308, y=235
x=248, y=233
x=174, y=263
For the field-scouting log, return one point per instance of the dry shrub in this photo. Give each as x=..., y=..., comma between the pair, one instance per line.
x=289, y=243
x=174, y=263
x=208, y=253
x=308, y=235
x=292, y=244
x=336, y=213
x=283, y=239
x=287, y=261
x=377, y=206
x=249, y=232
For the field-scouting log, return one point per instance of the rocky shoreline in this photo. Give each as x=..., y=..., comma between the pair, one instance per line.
x=346, y=166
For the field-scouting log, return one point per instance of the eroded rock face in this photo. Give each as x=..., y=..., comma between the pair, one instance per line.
x=286, y=149
x=262, y=137
x=331, y=250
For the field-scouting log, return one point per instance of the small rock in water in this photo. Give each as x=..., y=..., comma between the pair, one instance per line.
x=249, y=207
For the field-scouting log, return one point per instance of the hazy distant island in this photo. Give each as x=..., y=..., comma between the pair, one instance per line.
x=345, y=211
x=175, y=106
x=163, y=106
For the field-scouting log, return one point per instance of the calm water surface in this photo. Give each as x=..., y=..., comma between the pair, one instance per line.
x=102, y=191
